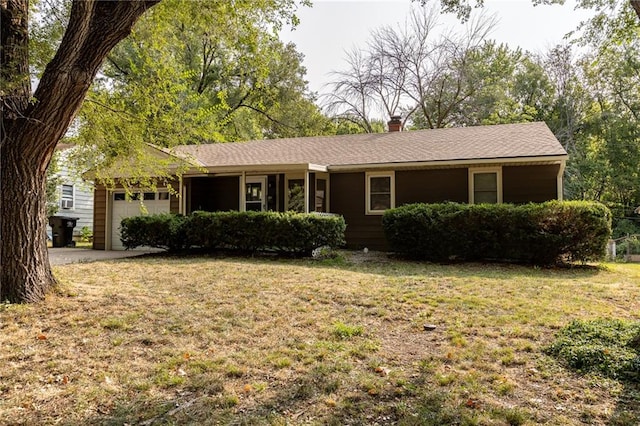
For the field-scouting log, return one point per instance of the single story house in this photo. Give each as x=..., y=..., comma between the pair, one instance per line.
x=358, y=176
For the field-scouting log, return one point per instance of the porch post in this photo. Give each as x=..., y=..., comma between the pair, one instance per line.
x=182, y=209
x=560, y=179
x=243, y=195
x=306, y=191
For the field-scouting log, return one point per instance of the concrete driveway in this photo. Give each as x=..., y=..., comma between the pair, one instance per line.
x=63, y=256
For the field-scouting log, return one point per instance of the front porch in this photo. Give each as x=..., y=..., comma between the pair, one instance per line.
x=300, y=189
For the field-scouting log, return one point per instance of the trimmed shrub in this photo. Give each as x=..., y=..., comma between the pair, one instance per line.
x=165, y=231
x=605, y=346
x=249, y=232
x=532, y=233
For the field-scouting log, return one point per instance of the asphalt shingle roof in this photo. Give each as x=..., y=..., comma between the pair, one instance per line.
x=451, y=144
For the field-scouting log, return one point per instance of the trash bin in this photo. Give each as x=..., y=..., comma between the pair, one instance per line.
x=62, y=228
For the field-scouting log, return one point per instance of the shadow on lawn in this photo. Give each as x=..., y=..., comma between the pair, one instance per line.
x=627, y=411
x=381, y=263
x=306, y=399
x=291, y=404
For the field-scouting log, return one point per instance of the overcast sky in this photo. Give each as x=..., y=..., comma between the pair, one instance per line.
x=331, y=27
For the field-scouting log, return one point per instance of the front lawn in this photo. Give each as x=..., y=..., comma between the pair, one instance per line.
x=167, y=340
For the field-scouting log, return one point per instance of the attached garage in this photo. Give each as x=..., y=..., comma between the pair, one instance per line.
x=138, y=204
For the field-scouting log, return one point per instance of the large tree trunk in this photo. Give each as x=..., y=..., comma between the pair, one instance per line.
x=636, y=6
x=33, y=125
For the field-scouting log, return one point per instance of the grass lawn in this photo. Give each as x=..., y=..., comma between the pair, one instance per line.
x=198, y=340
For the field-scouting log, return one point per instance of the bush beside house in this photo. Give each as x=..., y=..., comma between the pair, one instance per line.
x=533, y=233
x=164, y=231
x=292, y=233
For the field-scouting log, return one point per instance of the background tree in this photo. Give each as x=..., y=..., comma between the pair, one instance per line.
x=352, y=97
x=609, y=151
x=194, y=72
x=602, y=8
x=409, y=70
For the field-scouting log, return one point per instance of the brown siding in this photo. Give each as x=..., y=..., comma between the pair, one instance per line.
x=523, y=184
x=99, y=217
x=432, y=186
x=348, y=199
x=215, y=194
x=272, y=193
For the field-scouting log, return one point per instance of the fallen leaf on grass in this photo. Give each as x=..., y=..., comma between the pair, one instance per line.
x=472, y=403
x=383, y=371
x=330, y=402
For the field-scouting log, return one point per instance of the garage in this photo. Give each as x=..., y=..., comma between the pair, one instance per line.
x=135, y=205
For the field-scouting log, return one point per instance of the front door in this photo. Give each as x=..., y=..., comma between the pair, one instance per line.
x=255, y=193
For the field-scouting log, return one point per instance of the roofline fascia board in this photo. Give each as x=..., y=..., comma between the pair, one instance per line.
x=256, y=168
x=413, y=164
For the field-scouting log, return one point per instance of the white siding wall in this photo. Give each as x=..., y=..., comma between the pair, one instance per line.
x=82, y=191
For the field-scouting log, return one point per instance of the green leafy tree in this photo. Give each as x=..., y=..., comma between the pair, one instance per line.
x=602, y=8
x=510, y=86
x=34, y=121
x=194, y=72
x=612, y=125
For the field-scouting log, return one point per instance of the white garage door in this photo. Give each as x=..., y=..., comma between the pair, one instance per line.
x=154, y=202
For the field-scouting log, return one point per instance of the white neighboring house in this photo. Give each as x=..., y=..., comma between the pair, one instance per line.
x=75, y=195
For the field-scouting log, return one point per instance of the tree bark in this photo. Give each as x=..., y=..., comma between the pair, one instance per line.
x=33, y=125
x=636, y=6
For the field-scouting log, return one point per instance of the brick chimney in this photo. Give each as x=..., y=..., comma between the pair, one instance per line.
x=395, y=124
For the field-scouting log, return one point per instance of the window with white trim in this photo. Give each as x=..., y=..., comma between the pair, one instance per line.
x=66, y=197
x=485, y=186
x=380, y=193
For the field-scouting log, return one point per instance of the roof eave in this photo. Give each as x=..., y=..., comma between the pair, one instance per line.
x=545, y=159
x=259, y=168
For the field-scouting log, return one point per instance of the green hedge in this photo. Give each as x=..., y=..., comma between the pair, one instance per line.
x=532, y=233
x=165, y=231
x=294, y=233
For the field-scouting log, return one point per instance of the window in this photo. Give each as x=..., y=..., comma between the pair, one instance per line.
x=163, y=195
x=321, y=190
x=149, y=196
x=66, y=200
x=485, y=186
x=380, y=192
x=295, y=195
